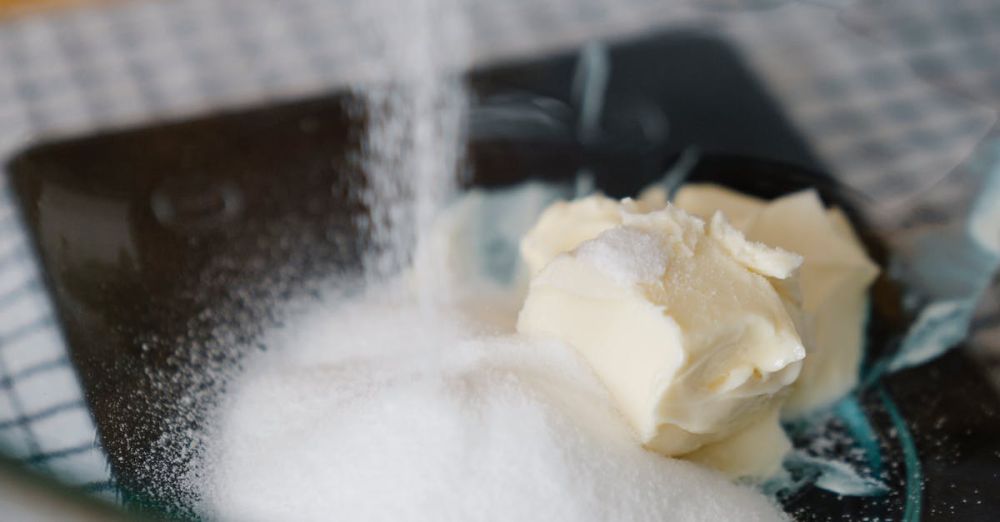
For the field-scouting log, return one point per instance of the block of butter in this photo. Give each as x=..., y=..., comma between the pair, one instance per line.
x=682, y=319
x=834, y=279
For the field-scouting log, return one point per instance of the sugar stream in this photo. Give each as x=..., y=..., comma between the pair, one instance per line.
x=415, y=134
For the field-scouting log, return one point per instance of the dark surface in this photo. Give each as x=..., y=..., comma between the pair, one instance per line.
x=165, y=247
x=954, y=415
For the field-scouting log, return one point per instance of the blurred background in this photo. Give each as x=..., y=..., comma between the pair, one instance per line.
x=899, y=98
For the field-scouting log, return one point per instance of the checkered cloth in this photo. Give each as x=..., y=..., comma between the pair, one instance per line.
x=894, y=94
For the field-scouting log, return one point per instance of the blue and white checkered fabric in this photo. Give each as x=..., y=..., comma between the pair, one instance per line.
x=894, y=94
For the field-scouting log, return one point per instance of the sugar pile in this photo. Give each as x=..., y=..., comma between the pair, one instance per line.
x=627, y=255
x=377, y=410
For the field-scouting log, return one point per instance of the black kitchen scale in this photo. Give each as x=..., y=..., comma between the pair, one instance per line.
x=205, y=226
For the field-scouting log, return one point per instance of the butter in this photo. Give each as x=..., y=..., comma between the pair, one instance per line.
x=681, y=319
x=755, y=451
x=834, y=279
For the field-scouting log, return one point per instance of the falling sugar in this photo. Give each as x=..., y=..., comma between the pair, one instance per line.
x=415, y=129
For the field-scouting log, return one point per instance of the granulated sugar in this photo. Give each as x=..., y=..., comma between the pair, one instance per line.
x=383, y=410
x=627, y=255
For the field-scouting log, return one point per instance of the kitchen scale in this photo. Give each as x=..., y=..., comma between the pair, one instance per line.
x=165, y=247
